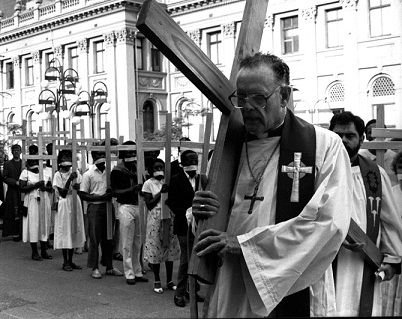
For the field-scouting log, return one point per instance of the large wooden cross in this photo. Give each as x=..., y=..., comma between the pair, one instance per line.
x=172, y=41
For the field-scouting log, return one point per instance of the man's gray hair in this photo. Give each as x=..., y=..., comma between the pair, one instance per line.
x=277, y=65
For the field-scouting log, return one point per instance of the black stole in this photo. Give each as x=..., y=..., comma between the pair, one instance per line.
x=372, y=184
x=297, y=136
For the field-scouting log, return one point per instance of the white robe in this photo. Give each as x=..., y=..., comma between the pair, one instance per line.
x=281, y=259
x=33, y=230
x=350, y=264
x=63, y=235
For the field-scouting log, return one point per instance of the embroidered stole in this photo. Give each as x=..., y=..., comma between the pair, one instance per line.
x=372, y=184
x=295, y=188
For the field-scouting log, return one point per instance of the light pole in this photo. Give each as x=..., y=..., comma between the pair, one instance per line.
x=67, y=79
x=98, y=95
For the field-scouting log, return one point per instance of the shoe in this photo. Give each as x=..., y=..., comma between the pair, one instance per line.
x=45, y=255
x=171, y=286
x=141, y=279
x=118, y=256
x=96, y=274
x=179, y=301
x=114, y=272
x=37, y=257
x=158, y=287
x=17, y=238
x=67, y=267
x=75, y=266
x=130, y=281
x=199, y=298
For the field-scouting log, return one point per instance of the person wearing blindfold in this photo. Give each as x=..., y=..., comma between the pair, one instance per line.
x=36, y=222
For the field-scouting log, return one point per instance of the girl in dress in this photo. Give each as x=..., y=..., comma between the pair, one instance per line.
x=154, y=253
x=36, y=223
x=69, y=230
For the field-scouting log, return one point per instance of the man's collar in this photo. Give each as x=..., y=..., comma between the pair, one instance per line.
x=271, y=133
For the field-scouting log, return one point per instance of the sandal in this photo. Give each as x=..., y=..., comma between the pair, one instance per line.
x=171, y=286
x=158, y=287
x=67, y=267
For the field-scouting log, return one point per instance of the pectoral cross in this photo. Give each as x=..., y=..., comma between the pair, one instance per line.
x=253, y=198
x=297, y=171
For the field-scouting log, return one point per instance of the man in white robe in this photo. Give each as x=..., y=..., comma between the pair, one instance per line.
x=350, y=263
x=264, y=261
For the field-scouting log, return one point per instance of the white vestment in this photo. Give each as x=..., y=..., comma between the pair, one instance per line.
x=350, y=264
x=388, y=159
x=280, y=259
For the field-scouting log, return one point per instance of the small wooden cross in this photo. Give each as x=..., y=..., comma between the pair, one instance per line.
x=296, y=172
x=253, y=198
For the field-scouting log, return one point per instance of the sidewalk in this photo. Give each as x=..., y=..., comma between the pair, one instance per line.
x=41, y=289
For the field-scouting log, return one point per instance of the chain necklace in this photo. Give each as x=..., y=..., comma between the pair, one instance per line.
x=257, y=179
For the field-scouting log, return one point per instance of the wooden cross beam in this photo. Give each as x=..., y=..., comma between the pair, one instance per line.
x=172, y=41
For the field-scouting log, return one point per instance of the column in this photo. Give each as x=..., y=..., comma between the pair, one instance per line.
x=126, y=85
x=37, y=73
x=17, y=89
x=228, y=46
x=267, y=41
x=308, y=46
x=350, y=60
x=83, y=72
x=110, y=68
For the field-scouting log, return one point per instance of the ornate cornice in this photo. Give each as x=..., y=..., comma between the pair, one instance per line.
x=349, y=3
x=36, y=56
x=269, y=22
x=228, y=30
x=83, y=45
x=309, y=14
x=183, y=6
x=126, y=36
x=55, y=22
x=195, y=35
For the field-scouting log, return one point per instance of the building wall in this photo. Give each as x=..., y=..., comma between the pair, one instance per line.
x=315, y=67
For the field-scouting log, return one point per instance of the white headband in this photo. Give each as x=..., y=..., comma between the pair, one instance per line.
x=100, y=160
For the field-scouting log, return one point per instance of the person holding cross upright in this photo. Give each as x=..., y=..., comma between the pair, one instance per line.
x=93, y=189
x=290, y=209
x=36, y=223
x=358, y=291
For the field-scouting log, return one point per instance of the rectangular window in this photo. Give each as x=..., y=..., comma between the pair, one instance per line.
x=156, y=59
x=29, y=77
x=49, y=57
x=99, y=55
x=10, y=75
x=139, y=53
x=290, y=35
x=73, y=58
x=334, y=27
x=214, y=45
x=380, y=13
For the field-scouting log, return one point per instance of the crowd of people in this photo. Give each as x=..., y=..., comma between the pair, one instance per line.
x=286, y=250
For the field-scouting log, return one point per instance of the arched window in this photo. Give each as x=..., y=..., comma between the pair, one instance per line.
x=148, y=116
x=102, y=117
x=336, y=92
x=383, y=86
x=31, y=120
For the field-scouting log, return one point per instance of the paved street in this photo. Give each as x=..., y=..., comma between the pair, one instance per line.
x=41, y=289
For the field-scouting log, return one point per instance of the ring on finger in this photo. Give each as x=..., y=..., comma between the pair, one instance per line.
x=202, y=206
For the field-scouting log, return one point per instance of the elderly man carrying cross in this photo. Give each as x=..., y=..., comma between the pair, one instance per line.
x=290, y=211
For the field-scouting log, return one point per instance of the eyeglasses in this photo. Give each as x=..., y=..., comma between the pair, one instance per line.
x=255, y=100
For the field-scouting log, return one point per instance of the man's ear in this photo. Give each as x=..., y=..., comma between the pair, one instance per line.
x=285, y=92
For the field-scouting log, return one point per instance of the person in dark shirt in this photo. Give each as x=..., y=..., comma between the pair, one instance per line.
x=125, y=187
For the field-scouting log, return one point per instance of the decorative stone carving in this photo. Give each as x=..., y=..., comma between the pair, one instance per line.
x=125, y=36
x=348, y=3
x=16, y=61
x=36, y=56
x=58, y=52
x=83, y=46
x=309, y=14
x=195, y=35
x=147, y=82
x=228, y=30
x=181, y=82
x=109, y=38
x=269, y=22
